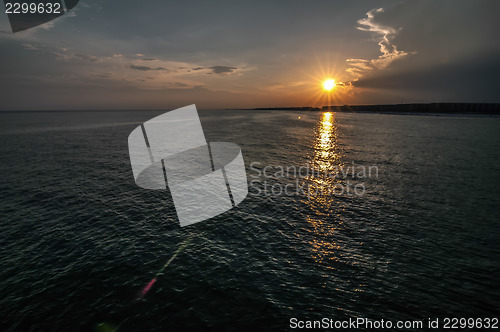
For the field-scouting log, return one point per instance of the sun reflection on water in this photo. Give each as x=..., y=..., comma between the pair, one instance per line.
x=325, y=210
x=324, y=149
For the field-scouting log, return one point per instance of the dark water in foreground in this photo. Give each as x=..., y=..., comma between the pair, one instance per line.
x=78, y=239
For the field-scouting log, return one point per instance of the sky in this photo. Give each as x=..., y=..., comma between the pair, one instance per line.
x=157, y=54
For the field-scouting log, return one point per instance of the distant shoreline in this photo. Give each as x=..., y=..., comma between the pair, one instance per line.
x=428, y=108
x=470, y=109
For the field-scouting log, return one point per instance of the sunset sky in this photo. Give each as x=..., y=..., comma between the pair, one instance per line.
x=118, y=54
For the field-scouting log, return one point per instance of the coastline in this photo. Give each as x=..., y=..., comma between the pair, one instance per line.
x=436, y=109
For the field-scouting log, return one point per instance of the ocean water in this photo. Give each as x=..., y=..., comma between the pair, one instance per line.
x=79, y=240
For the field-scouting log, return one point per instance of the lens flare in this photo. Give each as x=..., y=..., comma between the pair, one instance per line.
x=150, y=284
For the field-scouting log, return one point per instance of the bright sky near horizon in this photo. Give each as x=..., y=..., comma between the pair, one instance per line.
x=118, y=54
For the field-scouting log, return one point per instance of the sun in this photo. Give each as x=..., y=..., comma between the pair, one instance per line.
x=329, y=84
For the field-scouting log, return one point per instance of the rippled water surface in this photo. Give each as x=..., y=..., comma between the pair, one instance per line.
x=78, y=238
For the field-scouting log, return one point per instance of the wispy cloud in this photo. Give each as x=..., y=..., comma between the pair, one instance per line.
x=358, y=67
x=221, y=70
x=30, y=47
x=289, y=85
x=145, y=68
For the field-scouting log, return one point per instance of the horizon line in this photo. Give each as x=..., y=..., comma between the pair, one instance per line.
x=338, y=107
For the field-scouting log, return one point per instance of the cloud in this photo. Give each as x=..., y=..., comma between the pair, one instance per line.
x=287, y=86
x=389, y=51
x=465, y=80
x=142, y=58
x=180, y=85
x=65, y=55
x=145, y=68
x=31, y=47
x=221, y=70
x=60, y=53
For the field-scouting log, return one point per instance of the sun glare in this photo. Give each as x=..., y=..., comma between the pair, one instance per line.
x=328, y=84
x=325, y=85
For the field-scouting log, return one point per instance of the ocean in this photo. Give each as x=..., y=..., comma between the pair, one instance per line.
x=349, y=215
